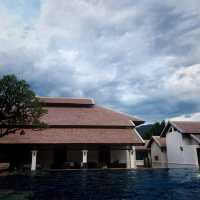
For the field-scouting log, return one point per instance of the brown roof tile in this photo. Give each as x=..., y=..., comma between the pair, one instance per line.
x=161, y=141
x=71, y=123
x=186, y=126
x=74, y=136
x=144, y=147
x=94, y=115
x=65, y=101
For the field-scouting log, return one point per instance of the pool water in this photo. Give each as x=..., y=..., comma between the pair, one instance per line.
x=173, y=184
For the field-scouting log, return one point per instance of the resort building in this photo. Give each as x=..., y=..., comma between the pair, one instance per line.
x=183, y=144
x=143, y=155
x=79, y=134
x=158, y=153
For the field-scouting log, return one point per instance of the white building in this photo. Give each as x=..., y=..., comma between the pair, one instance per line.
x=183, y=144
x=158, y=153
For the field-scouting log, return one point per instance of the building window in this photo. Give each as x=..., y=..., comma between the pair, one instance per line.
x=156, y=158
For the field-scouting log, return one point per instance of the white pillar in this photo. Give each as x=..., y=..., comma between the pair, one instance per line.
x=127, y=159
x=132, y=158
x=34, y=160
x=84, y=159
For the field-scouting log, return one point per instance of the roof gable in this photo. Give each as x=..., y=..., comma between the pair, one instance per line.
x=185, y=127
x=160, y=141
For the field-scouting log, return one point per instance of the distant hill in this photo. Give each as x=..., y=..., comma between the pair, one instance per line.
x=148, y=130
x=143, y=129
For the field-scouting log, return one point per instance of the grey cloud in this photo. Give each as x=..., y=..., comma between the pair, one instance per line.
x=126, y=55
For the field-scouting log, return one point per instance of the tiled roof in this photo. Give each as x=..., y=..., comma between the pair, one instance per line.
x=185, y=127
x=161, y=141
x=94, y=115
x=74, y=136
x=144, y=147
x=79, y=121
x=65, y=101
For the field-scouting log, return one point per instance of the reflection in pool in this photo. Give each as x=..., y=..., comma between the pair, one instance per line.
x=173, y=184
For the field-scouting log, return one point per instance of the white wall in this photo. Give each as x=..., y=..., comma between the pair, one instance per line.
x=177, y=157
x=162, y=156
x=140, y=163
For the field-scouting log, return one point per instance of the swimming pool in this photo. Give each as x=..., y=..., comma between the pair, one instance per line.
x=173, y=184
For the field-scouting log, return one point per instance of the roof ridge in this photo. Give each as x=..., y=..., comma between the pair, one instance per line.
x=64, y=97
x=66, y=100
x=156, y=138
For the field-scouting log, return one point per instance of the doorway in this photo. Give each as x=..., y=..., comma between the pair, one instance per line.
x=104, y=157
x=59, y=158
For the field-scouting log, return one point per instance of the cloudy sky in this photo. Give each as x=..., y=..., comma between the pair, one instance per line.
x=141, y=57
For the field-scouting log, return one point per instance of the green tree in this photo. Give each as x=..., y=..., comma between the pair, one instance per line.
x=19, y=106
x=155, y=130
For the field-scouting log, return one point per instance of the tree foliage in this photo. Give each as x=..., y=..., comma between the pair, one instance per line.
x=19, y=106
x=155, y=130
